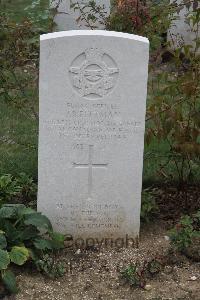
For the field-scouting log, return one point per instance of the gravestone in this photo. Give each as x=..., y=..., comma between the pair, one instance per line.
x=93, y=87
x=67, y=17
x=180, y=32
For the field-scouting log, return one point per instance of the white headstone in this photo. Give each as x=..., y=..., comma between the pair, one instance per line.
x=93, y=87
x=67, y=18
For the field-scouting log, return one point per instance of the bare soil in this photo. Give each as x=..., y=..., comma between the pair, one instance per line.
x=95, y=275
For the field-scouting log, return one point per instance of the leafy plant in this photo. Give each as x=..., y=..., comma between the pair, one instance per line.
x=14, y=189
x=28, y=187
x=129, y=16
x=136, y=274
x=19, y=45
x=173, y=112
x=51, y=267
x=19, y=53
x=154, y=266
x=148, y=206
x=36, y=10
x=90, y=13
x=9, y=187
x=133, y=276
x=147, y=18
x=25, y=235
x=184, y=232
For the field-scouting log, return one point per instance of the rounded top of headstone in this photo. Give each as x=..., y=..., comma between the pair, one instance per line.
x=71, y=33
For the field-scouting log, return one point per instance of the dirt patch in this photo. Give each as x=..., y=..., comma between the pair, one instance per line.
x=173, y=202
x=94, y=275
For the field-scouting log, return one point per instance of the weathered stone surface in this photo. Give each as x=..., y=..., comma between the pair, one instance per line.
x=180, y=32
x=67, y=18
x=93, y=88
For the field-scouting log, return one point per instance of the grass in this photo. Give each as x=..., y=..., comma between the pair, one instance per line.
x=19, y=130
x=21, y=9
x=18, y=142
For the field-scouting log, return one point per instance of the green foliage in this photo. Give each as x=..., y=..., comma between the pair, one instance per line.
x=133, y=276
x=25, y=235
x=4, y=259
x=148, y=205
x=36, y=10
x=129, y=16
x=9, y=187
x=28, y=188
x=90, y=13
x=173, y=112
x=154, y=266
x=136, y=274
x=182, y=234
x=3, y=242
x=9, y=281
x=52, y=268
x=19, y=45
x=19, y=255
x=147, y=18
x=19, y=53
x=21, y=188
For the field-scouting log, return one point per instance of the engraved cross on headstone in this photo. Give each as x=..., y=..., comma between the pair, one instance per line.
x=90, y=165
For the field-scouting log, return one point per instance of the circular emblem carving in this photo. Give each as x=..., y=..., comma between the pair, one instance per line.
x=93, y=73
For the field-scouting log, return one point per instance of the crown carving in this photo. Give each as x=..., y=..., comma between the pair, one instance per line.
x=93, y=55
